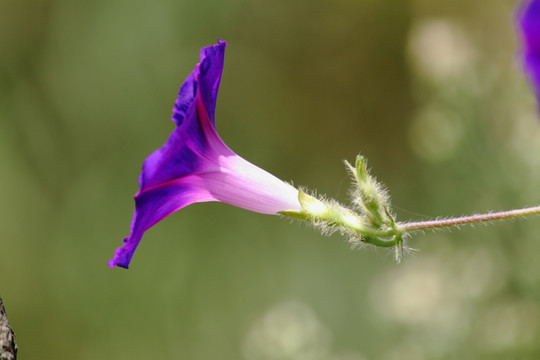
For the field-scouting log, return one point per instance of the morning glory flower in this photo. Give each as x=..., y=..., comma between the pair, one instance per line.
x=195, y=165
x=529, y=22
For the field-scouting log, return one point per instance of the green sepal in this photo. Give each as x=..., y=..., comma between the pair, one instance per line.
x=300, y=215
x=373, y=225
x=313, y=209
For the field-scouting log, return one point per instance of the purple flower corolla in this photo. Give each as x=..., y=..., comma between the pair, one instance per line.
x=195, y=165
x=529, y=21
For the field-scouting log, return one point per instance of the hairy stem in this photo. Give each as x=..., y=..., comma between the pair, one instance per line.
x=435, y=224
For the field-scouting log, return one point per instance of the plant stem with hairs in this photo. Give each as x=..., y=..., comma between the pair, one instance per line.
x=369, y=220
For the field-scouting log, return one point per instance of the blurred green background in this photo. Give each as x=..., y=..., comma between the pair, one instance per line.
x=430, y=91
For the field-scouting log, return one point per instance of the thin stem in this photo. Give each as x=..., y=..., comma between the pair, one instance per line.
x=434, y=224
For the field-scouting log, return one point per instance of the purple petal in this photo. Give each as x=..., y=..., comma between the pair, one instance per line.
x=207, y=76
x=182, y=153
x=186, y=94
x=152, y=206
x=210, y=69
x=195, y=165
x=529, y=21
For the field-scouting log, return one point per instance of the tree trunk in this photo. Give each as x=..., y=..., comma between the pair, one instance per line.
x=8, y=347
